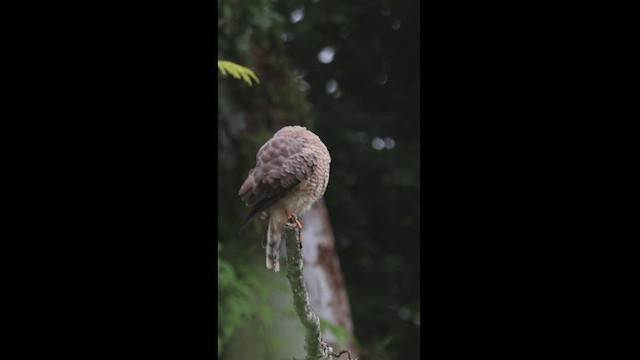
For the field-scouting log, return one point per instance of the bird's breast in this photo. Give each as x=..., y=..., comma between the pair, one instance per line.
x=305, y=195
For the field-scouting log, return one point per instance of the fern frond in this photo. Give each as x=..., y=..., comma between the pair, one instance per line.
x=237, y=71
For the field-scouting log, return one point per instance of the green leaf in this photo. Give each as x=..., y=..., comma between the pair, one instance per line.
x=237, y=71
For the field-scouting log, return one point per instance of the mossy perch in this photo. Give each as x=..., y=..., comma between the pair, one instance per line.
x=315, y=347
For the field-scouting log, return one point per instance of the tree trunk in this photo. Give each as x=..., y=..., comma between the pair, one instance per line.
x=323, y=275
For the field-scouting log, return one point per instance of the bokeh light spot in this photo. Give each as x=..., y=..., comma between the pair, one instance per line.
x=331, y=86
x=362, y=136
x=389, y=143
x=297, y=14
x=377, y=143
x=286, y=36
x=381, y=79
x=304, y=86
x=326, y=55
x=395, y=24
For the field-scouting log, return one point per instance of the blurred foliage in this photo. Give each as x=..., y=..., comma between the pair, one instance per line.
x=238, y=290
x=342, y=334
x=365, y=106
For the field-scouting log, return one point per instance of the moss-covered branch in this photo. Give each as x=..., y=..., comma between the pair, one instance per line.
x=316, y=348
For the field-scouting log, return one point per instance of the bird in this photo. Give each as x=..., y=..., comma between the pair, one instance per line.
x=291, y=174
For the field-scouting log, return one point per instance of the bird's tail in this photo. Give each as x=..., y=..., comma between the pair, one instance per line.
x=273, y=240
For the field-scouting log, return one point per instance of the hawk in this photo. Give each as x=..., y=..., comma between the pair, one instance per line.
x=291, y=174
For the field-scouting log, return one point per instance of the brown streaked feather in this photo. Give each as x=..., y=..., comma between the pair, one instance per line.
x=266, y=203
x=281, y=164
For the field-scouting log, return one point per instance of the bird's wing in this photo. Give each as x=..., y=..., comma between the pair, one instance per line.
x=281, y=164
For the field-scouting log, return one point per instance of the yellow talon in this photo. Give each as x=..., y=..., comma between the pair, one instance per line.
x=298, y=223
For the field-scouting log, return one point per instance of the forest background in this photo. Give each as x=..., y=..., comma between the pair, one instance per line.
x=349, y=71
